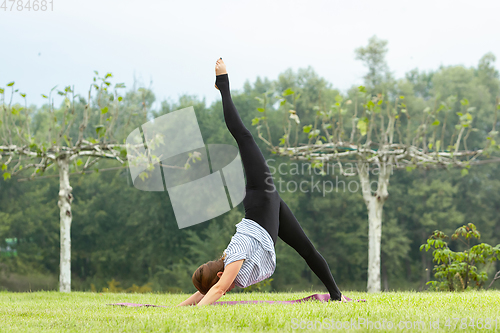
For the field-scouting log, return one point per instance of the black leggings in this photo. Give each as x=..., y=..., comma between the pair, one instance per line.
x=262, y=202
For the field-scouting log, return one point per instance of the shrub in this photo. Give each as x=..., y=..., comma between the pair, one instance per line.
x=114, y=288
x=457, y=270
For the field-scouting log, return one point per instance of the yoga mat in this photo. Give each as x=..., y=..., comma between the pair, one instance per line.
x=317, y=297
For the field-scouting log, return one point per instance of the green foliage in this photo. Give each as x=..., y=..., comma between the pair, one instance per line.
x=307, y=128
x=100, y=130
x=113, y=287
x=362, y=125
x=373, y=56
x=457, y=270
x=259, y=287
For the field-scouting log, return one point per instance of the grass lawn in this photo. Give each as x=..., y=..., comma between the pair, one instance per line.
x=88, y=312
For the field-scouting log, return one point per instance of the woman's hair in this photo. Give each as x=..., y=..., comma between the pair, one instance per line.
x=206, y=275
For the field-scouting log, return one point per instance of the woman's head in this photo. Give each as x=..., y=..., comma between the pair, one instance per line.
x=206, y=275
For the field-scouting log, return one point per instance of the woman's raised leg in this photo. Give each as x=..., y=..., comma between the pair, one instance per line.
x=256, y=169
x=261, y=200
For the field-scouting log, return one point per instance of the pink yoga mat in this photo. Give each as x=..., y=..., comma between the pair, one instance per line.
x=317, y=297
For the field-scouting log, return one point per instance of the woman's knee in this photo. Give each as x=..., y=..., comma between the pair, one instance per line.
x=246, y=134
x=304, y=248
x=308, y=252
x=242, y=136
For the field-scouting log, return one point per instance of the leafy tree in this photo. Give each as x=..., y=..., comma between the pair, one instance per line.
x=54, y=145
x=373, y=57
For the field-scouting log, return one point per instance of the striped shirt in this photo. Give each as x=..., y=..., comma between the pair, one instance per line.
x=254, y=244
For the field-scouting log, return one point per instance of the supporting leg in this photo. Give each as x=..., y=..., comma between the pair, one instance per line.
x=292, y=233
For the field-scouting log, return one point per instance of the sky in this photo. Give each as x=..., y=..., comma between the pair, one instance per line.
x=172, y=46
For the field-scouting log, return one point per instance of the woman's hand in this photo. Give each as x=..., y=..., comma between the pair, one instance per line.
x=193, y=299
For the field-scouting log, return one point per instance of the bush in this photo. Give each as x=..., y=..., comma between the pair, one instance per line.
x=113, y=287
x=457, y=270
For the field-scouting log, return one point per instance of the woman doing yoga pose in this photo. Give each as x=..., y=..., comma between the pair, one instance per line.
x=250, y=256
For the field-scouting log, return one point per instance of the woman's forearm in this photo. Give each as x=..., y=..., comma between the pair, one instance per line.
x=193, y=299
x=213, y=295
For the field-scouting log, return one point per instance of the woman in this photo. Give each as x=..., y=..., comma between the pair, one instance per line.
x=250, y=256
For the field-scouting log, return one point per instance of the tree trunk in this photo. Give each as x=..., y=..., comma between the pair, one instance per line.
x=375, y=205
x=409, y=277
x=385, y=277
x=424, y=268
x=64, y=203
x=374, y=242
x=428, y=269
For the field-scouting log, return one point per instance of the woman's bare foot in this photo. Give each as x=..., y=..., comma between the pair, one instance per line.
x=343, y=299
x=220, y=68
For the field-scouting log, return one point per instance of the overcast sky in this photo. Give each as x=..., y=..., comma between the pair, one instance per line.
x=175, y=44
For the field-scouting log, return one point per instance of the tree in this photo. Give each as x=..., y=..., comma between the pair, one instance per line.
x=62, y=144
x=373, y=56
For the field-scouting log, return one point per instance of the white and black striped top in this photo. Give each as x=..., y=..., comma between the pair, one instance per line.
x=254, y=244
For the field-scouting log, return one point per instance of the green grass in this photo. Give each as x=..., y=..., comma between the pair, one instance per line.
x=88, y=312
